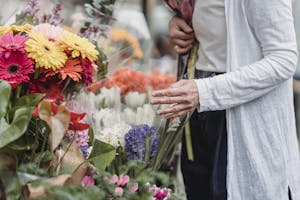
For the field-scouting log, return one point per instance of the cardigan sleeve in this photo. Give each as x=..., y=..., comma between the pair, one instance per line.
x=272, y=24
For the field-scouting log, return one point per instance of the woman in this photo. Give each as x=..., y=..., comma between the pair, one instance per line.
x=251, y=152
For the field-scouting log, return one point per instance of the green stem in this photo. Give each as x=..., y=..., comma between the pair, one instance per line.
x=36, y=73
x=43, y=148
x=35, y=144
x=193, y=57
x=18, y=92
x=188, y=141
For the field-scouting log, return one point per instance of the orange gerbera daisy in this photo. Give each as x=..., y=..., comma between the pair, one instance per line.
x=72, y=69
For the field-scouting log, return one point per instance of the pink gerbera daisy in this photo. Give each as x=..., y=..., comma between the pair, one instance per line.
x=49, y=31
x=12, y=43
x=87, y=67
x=16, y=68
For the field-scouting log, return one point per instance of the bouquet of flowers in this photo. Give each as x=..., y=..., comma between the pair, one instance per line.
x=186, y=63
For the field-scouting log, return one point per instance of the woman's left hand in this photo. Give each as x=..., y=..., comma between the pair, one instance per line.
x=183, y=97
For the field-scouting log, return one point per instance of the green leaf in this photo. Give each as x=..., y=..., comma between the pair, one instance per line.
x=102, y=155
x=5, y=92
x=13, y=131
x=29, y=100
x=91, y=137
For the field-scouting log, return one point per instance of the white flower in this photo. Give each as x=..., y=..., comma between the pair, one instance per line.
x=135, y=99
x=145, y=115
x=110, y=97
x=113, y=135
x=129, y=116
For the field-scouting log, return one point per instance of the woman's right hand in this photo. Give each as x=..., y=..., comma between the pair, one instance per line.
x=181, y=35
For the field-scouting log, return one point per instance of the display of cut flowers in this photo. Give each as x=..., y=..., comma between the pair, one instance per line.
x=120, y=113
x=65, y=134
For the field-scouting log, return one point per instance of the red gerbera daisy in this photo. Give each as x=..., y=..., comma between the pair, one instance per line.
x=16, y=68
x=10, y=43
x=87, y=67
x=52, y=88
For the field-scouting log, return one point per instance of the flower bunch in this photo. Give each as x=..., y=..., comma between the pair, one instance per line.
x=123, y=182
x=46, y=57
x=129, y=80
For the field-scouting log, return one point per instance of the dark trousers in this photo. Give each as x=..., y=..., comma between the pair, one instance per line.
x=205, y=177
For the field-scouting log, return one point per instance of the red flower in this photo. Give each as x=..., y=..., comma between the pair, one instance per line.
x=51, y=87
x=75, y=124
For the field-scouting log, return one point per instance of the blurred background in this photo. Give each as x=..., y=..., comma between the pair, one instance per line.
x=148, y=20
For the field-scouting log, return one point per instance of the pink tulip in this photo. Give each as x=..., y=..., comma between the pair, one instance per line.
x=88, y=181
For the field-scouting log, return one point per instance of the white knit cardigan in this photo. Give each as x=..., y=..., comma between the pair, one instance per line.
x=256, y=91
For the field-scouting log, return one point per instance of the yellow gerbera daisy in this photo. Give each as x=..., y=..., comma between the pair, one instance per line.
x=46, y=54
x=78, y=46
x=15, y=29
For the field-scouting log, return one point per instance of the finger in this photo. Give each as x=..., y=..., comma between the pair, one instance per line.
x=183, y=50
x=183, y=43
x=169, y=92
x=181, y=113
x=184, y=26
x=178, y=34
x=177, y=108
x=178, y=84
x=169, y=100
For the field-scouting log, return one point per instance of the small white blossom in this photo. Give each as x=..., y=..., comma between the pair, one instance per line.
x=113, y=135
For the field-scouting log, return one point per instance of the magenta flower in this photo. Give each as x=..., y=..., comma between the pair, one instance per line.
x=88, y=181
x=87, y=67
x=16, y=68
x=10, y=43
x=160, y=194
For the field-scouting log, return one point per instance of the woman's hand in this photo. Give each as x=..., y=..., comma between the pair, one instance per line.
x=182, y=97
x=181, y=35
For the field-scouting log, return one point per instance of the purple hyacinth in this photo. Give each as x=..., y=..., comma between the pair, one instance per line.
x=135, y=142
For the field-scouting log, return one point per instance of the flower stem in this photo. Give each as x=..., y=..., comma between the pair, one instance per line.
x=188, y=141
x=35, y=144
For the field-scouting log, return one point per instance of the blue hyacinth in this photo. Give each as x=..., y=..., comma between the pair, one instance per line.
x=85, y=151
x=135, y=142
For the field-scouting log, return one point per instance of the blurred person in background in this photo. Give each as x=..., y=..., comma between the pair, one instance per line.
x=243, y=132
